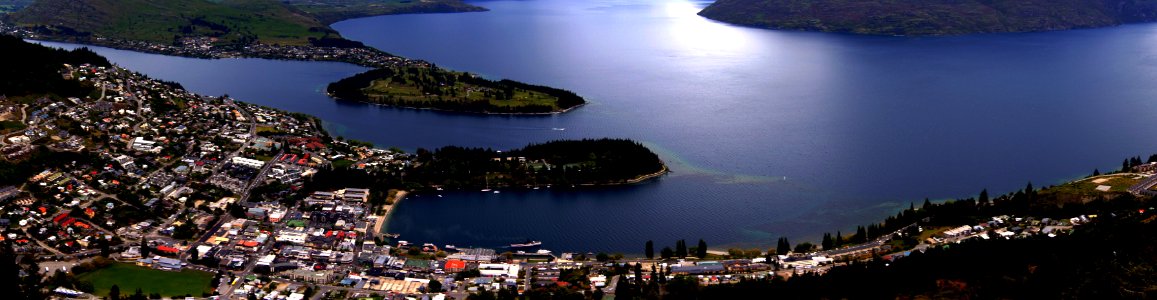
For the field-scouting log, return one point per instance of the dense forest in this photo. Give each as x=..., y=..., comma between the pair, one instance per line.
x=440, y=89
x=561, y=163
x=935, y=17
x=31, y=69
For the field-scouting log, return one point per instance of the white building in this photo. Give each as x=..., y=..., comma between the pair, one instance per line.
x=248, y=162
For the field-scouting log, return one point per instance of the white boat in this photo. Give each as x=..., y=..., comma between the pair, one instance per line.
x=528, y=244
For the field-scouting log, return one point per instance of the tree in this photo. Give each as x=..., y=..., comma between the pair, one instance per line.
x=701, y=250
x=826, y=242
x=649, y=250
x=435, y=286
x=804, y=247
x=839, y=240
x=144, y=247
x=194, y=253
x=782, y=246
x=1096, y=172
x=666, y=253
x=114, y=292
x=681, y=248
x=602, y=257
x=983, y=197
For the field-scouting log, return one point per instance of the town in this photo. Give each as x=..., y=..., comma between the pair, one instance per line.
x=206, y=47
x=152, y=178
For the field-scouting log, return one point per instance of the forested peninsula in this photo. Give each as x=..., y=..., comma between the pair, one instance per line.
x=931, y=17
x=433, y=88
x=553, y=164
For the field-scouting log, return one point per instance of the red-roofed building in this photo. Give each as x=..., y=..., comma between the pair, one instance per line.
x=168, y=249
x=454, y=265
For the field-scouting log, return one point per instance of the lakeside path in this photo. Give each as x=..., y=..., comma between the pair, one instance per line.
x=384, y=218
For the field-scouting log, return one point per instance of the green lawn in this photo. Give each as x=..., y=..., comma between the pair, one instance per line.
x=410, y=91
x=129, y=278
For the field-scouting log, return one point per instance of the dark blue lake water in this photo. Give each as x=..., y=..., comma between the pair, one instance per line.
x=769, y=133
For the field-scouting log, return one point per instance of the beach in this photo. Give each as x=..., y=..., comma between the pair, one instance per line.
x=384, y=218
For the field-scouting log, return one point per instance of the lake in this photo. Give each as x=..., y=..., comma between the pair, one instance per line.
x=769, y=133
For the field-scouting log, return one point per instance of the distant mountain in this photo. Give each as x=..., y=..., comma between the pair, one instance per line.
x=241, y=21
x=330, y=11
x=931, y=17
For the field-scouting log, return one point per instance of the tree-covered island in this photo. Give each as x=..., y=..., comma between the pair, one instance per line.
x=430, y=87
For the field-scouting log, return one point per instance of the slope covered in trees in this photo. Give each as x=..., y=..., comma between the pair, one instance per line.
x=931, y=17
x=564, y=163
x=31, y=69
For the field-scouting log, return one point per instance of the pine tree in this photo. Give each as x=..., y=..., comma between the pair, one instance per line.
x=1096, y=172
x=650, y=250
x=984, y=197
x=783, y=246
x=114, y=292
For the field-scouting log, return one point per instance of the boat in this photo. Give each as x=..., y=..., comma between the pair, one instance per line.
x=528, y=244
x=391, y=235
x=496, y=192
x=485, y=190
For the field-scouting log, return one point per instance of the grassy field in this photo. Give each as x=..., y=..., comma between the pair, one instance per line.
x=1085, y=190
x=411, y=92
x=130, y=277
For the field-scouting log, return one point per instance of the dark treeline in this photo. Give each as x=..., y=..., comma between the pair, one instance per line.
x=440, y=84
x=588, y=161
x=35, y=69
x=1109, y=259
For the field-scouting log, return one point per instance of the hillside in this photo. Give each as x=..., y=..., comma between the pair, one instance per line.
x=931, y=17
x=34, y=70
x=166, y=21
x=330, y=11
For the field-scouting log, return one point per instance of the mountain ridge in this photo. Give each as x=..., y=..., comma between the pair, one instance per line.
x=930, y=17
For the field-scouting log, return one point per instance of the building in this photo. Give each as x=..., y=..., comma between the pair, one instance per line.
x=165, y=263
x=143, y=145
x=496, y=270
x=248, y=162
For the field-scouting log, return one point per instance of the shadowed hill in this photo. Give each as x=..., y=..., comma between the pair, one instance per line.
x=163, y=21
x=931, y=17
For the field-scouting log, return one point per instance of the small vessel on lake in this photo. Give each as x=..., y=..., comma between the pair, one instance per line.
x=527, y=244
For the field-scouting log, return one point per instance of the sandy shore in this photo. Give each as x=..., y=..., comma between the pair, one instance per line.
x=389, y=210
